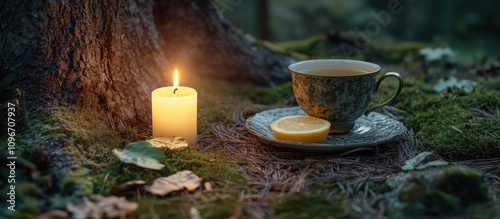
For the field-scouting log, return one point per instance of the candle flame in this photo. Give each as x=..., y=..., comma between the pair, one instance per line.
x=176, y=79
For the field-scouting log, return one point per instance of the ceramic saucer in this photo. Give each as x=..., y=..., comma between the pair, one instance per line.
x=370, y=130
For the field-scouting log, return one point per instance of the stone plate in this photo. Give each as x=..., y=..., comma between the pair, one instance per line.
x=370, y=130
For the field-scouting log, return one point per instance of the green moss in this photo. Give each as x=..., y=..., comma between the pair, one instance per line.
x=267, y=95
x=396, y=51
x=207, y=166
x=10, y=92
x=220, y=208
x=213, y=109
x=86, y=123
x=28, y=210
x=91, y=140
x=155, y=207
x=224, y=95
x=241, y=93
x=208, y=116
x=321, y=46
x=414, y=91
x=28, y=128
x=282, y=47
x=486, y=211
x=450, y=126
x=29, y=194
x=213, y=168
x=489, y=83
x=435, y=192
x=310, y=206
x=88, y=138
x=77, y=182
x=310, y=46
x=210, y=205
x=210, y=167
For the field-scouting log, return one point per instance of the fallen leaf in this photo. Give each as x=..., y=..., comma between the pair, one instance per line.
x=178, y=181
x=194, y=213
x=466, y=86
x=207, y=186
x=433, y=163
x=54, y=214
x=128, y=186
x=142, y=154
x=436, y=54
x=168, y=142
x=411, y=163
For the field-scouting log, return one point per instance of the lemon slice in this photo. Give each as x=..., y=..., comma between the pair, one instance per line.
x=300, y=128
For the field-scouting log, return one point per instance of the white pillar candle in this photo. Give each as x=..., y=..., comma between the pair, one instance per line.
x=174, y=111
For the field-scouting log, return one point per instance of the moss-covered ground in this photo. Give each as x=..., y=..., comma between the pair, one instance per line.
x=462, y=126
x=96, y=170
x=456, y=125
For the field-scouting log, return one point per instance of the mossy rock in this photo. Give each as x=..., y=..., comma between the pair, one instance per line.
x=310, y=206
x=434, y=192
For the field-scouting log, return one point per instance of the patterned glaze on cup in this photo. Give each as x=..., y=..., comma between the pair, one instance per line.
x=340, y=99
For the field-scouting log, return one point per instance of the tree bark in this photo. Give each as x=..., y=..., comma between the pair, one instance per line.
x=65, y=49
x=200, y=40
x=121, y=50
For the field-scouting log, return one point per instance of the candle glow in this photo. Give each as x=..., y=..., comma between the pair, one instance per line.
x=176, y=79
x=174, y=111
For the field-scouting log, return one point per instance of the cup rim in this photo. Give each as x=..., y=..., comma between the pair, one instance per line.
x=292, y=67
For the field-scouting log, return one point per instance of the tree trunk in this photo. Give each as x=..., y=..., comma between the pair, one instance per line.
x=121, y=50
x=53, y=52
x=199, y=39
x=65, y=49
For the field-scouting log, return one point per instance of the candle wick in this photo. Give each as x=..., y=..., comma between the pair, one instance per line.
x=175, y=90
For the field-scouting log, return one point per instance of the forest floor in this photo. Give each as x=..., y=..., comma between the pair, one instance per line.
x=449, y=104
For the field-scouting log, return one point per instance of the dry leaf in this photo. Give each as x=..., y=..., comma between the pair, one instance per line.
x=106, y=207
x=128, y=186
x=412, y=163
x=207, y=186
x=194, y=213
x=178, y=181
x=168, y=142
x=54, y=214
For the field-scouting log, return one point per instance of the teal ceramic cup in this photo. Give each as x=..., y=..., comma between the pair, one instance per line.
x=338, y=90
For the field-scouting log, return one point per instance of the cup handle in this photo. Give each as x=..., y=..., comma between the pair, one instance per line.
x=386, y=75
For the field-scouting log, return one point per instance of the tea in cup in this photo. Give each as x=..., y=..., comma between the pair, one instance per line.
x=338, y=90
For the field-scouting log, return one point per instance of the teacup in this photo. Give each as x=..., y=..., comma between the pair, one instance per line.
x=338, y=90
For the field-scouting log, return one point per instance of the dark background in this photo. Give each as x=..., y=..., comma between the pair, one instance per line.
x=472, y=27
